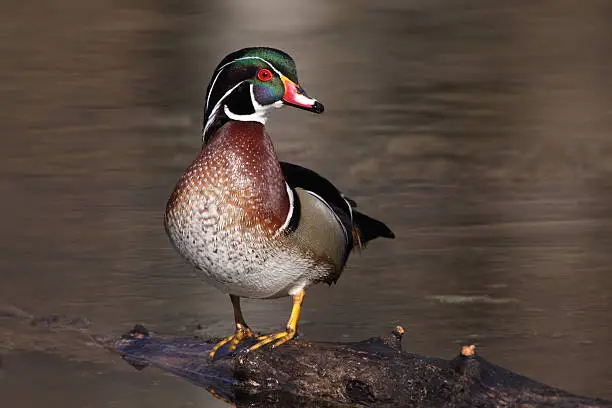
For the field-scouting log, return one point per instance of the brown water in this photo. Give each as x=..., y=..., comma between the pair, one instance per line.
x=480, y=133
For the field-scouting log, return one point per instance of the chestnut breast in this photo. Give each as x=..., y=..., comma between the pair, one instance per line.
x=235, y=184
x=226, y=210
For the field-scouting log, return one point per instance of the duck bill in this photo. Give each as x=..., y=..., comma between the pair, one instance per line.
x=296, y=96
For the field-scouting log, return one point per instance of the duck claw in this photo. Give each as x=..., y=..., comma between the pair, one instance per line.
x=277, y=338
x=242, y=333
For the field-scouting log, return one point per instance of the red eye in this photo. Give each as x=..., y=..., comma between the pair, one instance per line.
x=264, y=75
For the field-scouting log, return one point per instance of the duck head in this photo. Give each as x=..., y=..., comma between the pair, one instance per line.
x=248, y=83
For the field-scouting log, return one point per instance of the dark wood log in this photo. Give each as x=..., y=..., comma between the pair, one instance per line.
x=374, y=373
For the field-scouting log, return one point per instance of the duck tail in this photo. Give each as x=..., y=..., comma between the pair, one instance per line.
x=366, y=228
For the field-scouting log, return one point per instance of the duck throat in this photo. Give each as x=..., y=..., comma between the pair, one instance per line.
x=243, y=166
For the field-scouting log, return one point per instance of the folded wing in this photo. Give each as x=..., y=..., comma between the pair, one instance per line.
x=358, y=227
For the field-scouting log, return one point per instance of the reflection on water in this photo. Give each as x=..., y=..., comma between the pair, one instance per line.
x=480, y=134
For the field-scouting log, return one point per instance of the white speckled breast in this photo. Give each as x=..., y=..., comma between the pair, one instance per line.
x=225, y=212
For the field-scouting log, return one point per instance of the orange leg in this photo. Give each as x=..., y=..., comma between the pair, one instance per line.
x=242, y=329
x=289, y=333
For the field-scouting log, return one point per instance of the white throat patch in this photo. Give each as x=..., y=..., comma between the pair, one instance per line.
x=261, y=112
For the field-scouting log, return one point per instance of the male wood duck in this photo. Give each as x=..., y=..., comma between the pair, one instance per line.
x=256, y=227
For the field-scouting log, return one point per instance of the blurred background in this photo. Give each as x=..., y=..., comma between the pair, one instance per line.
x=478, y=131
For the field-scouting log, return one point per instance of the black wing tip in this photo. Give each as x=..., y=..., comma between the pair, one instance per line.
x=384, y=231
x=388, y=234
x=370, y=228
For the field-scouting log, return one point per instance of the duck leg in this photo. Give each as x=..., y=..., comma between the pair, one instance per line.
x=289, y=333
x=242, y=329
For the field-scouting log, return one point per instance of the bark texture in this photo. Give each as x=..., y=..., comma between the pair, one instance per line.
x=373, y=373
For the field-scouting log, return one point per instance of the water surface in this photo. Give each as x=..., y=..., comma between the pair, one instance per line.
x=480, y=133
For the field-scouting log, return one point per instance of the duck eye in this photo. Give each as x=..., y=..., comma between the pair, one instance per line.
x=264, y=75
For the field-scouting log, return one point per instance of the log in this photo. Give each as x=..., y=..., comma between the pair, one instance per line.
x=375, y=373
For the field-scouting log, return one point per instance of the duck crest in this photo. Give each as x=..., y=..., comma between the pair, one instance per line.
x=236, y=181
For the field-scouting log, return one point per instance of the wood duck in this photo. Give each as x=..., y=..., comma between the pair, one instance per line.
x=256, y=227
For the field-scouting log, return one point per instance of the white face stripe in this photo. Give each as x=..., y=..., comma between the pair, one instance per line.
x=229, y=63
x=213, y=113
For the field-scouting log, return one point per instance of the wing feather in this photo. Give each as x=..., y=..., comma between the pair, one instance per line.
x=358, y=228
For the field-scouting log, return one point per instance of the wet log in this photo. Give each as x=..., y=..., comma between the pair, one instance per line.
x=373, y=373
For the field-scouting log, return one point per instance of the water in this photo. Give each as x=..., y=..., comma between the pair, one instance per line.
x=480, y=133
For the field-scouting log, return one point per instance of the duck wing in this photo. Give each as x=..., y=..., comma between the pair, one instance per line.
x=358, y=227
